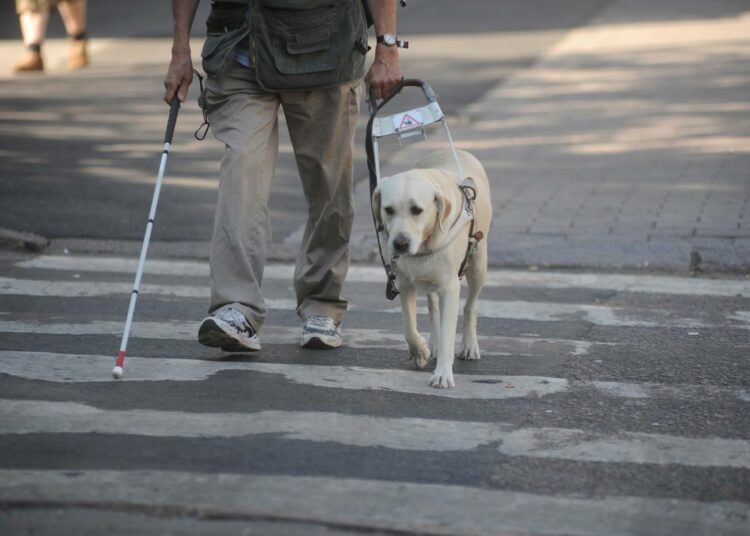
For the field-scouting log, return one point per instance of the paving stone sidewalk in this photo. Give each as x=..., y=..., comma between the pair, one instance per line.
x=626, y=147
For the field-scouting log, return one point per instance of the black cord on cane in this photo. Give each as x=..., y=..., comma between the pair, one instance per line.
x=201, y=132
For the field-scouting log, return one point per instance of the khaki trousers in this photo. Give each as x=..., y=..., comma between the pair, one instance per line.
x=321, y=126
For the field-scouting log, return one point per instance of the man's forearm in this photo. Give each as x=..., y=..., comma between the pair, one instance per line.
x=180, y=72
x=384, y=19
x=183, y=13
x=383, y=15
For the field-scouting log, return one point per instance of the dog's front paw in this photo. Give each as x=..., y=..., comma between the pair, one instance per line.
x=442, y=379
x=419, y=352
x=470, y=352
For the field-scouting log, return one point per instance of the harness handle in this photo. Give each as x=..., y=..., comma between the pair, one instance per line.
x=375, y=107
x=429, y=93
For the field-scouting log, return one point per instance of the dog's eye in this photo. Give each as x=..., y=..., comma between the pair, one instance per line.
x=416, y=210
x=389, y=211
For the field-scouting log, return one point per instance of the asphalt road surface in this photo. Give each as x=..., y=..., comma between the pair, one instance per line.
x=603, y=404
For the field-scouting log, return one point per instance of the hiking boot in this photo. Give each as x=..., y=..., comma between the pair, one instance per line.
x=321, y=333
x=229, y=330
x=30, y=62
x=77, y=58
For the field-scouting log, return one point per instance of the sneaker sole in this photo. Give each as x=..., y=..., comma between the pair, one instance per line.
x=317, y=343
x=212, y=334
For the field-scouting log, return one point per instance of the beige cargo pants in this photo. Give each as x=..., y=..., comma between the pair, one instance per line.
x=321, y=125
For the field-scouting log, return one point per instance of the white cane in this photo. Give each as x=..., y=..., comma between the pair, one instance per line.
x=174, y=107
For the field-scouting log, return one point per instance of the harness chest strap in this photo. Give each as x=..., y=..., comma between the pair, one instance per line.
x=471, y=249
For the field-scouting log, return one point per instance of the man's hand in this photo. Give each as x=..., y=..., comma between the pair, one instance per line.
x=385, y=73
x=180, y=72
x=179, y=76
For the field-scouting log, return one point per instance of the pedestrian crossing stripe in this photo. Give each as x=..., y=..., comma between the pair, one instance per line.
x=673, y=285
x=399, y=433
x=85, y=368
x=374, y=505
x=602, y=315
x=523, y=346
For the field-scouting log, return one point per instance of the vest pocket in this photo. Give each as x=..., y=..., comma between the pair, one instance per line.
x=304, y=40
x=211, y=60
x=218, y=47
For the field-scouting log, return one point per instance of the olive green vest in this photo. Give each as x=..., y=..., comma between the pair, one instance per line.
x=294, y=44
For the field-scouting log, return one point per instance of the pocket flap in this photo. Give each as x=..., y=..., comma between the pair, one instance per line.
x=210, y=45
x=306, y=42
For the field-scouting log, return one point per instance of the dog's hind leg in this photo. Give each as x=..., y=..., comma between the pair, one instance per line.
x=433, y=306
x=475, y=278
x=419, y=352
x=449, y=300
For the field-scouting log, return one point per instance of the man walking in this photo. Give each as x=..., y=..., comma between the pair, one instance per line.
x=306, y=56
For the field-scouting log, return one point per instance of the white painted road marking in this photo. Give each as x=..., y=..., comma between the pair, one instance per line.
x=512, y=310
x=72, y=368
x=79, y=289
x=69, y=368
x=374, y=504
x=31, y=416
x=371, y=274
x=353, y=338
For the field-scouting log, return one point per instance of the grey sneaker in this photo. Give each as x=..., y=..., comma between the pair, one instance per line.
x=229, y=330
x=321, y=333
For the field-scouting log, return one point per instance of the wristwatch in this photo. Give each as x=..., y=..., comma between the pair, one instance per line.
x=387, y=39
x=390, y=40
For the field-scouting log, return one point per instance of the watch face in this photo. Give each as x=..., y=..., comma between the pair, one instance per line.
x=389, y=39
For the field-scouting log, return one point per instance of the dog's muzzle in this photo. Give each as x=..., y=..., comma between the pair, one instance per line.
x=401, y=243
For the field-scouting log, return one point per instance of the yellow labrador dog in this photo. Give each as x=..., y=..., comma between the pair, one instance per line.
x=420, y=211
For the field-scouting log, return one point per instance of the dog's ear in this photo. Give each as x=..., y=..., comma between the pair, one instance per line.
x=376, y=206
x=444, y=206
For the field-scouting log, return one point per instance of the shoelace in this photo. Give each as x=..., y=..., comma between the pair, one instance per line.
x=321, y=322
x=236, y=319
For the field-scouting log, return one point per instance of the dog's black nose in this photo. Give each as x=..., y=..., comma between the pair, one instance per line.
x=401, y=243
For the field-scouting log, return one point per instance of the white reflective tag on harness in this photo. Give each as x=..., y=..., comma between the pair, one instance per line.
x=407, y=121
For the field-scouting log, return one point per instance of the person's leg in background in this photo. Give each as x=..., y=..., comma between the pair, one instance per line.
x=33, y=16
x=73, y=13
